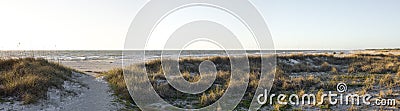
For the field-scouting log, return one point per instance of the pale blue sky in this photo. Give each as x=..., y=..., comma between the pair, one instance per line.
x=294, y=24
x=333, y=24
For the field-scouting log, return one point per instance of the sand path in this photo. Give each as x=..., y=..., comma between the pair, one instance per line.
x=96, y=98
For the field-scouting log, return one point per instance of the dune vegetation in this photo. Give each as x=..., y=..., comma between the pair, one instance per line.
x=295, y=73
x=116, y=81
x=28, y=79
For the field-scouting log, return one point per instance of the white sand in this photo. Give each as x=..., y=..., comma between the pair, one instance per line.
x=96, y=98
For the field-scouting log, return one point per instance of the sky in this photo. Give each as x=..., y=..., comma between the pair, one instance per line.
x=294, y=24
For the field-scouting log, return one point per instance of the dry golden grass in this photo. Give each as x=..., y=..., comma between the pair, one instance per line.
x=382, y=94
x=398, y=74
x=116, y=80
x=386, y=81
x=352, y=108
x=211, y=97
x=356, y=74
x=301, y=92
x=28, y=79
x=369, y=82
x=319, y=96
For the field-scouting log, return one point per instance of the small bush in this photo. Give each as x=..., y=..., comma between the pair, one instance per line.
x=29, y=79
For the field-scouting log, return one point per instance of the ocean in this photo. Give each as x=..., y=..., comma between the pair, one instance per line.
x=82, y=55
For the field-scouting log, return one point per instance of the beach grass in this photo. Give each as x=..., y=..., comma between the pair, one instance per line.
x=294, y=73
x=116, y=81
x=29, y=79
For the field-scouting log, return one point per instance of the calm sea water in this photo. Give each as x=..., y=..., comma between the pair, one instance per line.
x=80, y=55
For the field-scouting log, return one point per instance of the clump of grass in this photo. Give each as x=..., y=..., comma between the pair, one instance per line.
x=334, y=70
x=211, y=97
x=386, y=81
x=282, y=107
x=116, y=81
x=301, y=92
x=363, y=91
x=29, y=79
x=253, y=80
x=369, y=82
x=319, y=95
x=382, y=94
x=325, y=66
x=389, y=91
x=191, y=78
x=398, y=73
